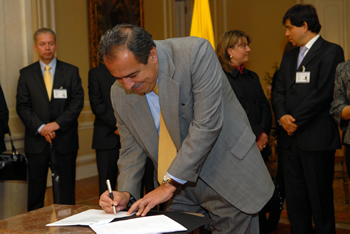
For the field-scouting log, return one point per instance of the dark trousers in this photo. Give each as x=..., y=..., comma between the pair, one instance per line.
x=200, y=198
x=309, y=189
x=148, y=179
x=38, y=165
x=107, y=168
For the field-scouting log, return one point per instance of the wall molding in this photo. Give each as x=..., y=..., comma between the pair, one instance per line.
x=334, y=17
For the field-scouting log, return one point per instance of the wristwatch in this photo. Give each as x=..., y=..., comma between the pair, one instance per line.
x=169, y=180
x=131, y=201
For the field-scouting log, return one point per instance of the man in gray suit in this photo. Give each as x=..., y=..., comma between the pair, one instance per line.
x=218, y=170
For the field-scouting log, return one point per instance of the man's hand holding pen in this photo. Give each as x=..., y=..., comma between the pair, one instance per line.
x=142, y=206
x=120, y=201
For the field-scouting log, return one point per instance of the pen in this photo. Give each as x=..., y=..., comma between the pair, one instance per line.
x=110, y=194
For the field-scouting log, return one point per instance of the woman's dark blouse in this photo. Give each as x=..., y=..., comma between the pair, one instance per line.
x=250, y=94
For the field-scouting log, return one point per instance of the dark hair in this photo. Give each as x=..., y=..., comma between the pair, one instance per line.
x=126, y=36
x=43, y=30
x=300, y=13
x=228, y=40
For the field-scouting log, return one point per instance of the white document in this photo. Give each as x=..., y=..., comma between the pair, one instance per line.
x=143, y=225
x=89, y=217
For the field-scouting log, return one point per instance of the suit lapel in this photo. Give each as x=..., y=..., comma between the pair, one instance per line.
x=59, y=77
x=312, y=53
x=293, y=64
x=168, y=100
x=143, y=124
x=307, y=59
x=168, y=94
x=39, y=79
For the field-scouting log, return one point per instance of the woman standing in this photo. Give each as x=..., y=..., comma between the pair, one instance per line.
x=233, y=52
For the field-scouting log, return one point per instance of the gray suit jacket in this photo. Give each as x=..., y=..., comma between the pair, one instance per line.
x=205, y=120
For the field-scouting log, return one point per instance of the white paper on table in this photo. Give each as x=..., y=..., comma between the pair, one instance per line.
x=141, y=225
x=89, y=217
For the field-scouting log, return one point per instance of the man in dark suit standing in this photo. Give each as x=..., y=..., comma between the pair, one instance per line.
x=301, y=101
x=49, y=100
x=106, y=137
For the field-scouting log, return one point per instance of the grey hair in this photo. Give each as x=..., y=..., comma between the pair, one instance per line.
x=43, y=30
x=126, y=36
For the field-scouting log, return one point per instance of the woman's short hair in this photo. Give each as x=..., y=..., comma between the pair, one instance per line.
x=228, y=40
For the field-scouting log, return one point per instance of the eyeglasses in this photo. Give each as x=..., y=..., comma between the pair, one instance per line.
x=243, y=46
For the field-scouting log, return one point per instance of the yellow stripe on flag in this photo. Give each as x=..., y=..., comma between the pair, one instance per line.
x=201, y=21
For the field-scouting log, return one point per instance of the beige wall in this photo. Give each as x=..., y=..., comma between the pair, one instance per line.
x=71, y=23
x=72, y=35
x=262, y=21
x=158, y=18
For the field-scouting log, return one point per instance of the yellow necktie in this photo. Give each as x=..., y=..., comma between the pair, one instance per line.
x=166, y=148
x=48, y=81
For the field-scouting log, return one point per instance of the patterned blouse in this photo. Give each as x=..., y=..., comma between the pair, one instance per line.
x=341, y=98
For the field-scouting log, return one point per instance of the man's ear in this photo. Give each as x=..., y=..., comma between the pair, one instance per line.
x=153, y=54
x=35, y=47
x=305, y=27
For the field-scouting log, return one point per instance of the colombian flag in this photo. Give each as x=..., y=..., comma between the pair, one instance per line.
x=201, y=21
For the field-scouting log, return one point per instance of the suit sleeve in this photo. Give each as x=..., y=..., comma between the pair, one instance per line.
x=24, y=105
x=206, y=76
x=72, y=111
x=98, y=105
x=339, y=96
x=314, y=102
x=132, y=158
x=278, y=92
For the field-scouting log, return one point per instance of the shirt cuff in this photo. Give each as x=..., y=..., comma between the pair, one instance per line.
x=177, y=179
x=40, y=128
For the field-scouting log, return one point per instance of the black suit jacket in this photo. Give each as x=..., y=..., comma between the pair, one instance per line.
x=100, y=82
x=34, y=108
x=4, y=118
x=309, y=103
